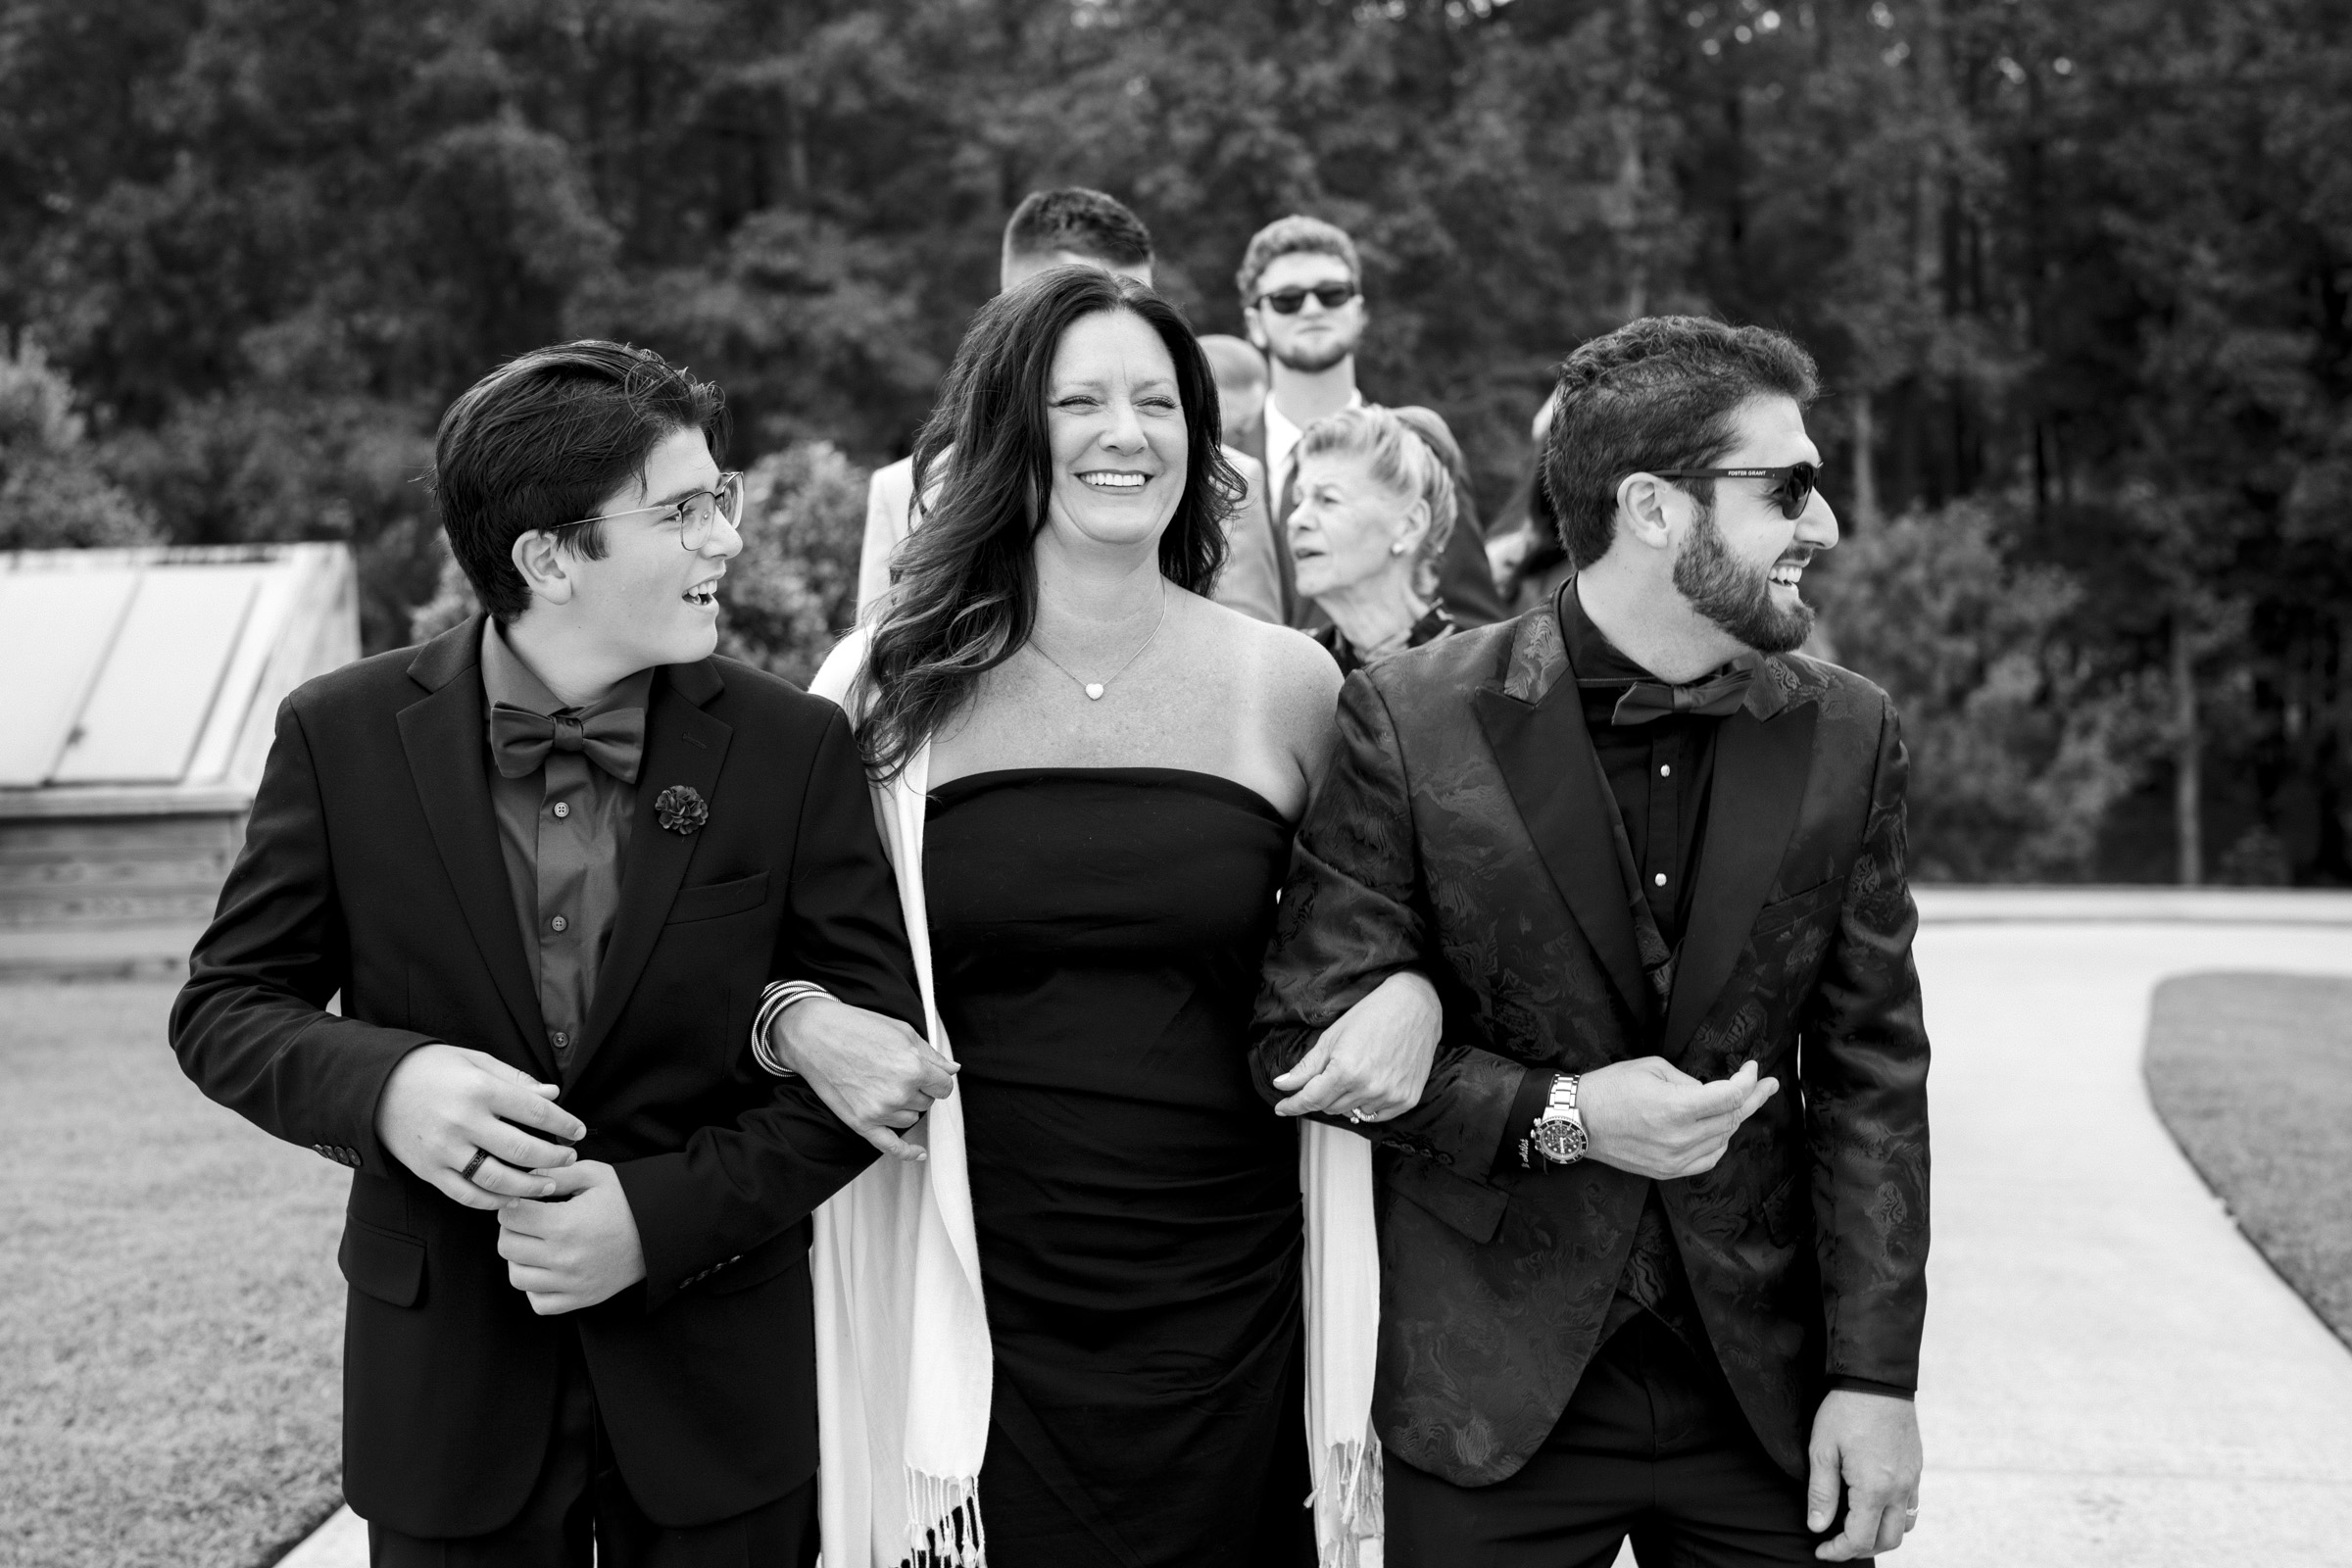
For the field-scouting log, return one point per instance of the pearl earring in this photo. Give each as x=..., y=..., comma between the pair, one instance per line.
x=1396, y=548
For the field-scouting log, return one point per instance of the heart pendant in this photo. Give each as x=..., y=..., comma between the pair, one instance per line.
x=1094, y=691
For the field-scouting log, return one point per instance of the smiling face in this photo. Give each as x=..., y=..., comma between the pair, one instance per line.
x=648, y=601
x=1741, y=564
x=1317, y=337
x=1115, y=421
x=1348, y=525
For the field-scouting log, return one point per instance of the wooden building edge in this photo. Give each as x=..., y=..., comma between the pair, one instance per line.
x=139, y=695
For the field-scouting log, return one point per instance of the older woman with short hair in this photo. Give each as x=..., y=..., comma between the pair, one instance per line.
x=1375, y=509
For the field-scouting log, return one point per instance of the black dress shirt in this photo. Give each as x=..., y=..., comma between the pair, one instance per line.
x=1660, y=775
x=563, y=832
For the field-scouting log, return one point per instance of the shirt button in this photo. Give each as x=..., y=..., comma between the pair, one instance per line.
x=561, y=1039
x=1660, y=879
x=559, y=923
x=1664, y=772
x=563, y=808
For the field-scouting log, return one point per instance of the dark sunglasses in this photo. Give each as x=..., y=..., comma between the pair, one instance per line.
x=1287, y=301
x=1793, y=486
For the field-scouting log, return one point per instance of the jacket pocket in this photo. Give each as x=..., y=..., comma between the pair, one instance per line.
x=1474, y=1210
x=382, y=1263
x=714, y=900
x=1789, y=911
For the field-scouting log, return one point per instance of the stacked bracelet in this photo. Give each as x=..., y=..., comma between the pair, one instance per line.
x=779, y=994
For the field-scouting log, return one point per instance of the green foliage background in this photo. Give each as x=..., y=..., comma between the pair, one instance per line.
x=2076, y=272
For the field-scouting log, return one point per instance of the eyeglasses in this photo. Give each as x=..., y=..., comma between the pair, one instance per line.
x=1288, y=301
x=695, y=514
x=1793, y=487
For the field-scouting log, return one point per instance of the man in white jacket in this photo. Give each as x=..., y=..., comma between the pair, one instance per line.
x=1079, y=228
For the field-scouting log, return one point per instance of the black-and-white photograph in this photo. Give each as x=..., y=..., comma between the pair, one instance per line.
x=1175, y=783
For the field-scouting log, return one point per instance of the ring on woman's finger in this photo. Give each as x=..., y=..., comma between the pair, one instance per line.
x=473, y=1164
x=1358, y=1115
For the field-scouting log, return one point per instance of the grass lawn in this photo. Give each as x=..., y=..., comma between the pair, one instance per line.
x=2253, y=1074
x=170, y=1314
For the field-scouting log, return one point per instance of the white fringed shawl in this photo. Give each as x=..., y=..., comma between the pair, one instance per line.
x=903, y=1358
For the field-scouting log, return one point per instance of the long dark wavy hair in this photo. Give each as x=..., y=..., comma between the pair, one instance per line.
x=965, y=586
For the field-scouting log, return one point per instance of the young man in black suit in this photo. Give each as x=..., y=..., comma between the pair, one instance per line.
x=550, y=861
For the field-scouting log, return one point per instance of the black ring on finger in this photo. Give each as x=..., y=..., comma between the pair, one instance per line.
x=473, y=1164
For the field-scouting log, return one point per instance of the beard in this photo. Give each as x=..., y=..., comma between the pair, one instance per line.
x=1737, y=595
x=1308, y=362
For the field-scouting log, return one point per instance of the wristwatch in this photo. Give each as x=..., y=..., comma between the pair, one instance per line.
x=1560, y=1130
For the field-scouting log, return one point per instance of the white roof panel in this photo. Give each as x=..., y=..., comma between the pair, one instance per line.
x=55, y=631
x=143, y=717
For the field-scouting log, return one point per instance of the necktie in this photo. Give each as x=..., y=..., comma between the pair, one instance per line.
x=615, y=740
x=1646, y=700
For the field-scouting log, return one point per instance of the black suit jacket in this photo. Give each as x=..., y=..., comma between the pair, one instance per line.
x=371, y=869
x=1462, y=831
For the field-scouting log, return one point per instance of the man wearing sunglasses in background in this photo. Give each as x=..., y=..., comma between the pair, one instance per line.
x=1654, y=1239
x=1303, y=305
x=550, y=861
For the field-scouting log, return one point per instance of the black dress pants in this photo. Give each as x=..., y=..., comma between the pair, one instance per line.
x=581, y=1512
x=1652, y=1445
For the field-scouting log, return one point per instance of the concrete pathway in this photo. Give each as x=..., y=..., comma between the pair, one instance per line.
x=2113, y=1374
x=2113, y=1378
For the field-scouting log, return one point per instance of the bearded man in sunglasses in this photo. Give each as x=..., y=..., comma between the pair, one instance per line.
x=1654, y=1238
x=1303, y=305
x=551, y=861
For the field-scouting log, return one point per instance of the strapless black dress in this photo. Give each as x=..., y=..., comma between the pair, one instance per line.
x=1096, y=935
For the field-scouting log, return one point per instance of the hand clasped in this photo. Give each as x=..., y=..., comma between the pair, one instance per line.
x=872, y=1071
x=1651, y=1118
x=1373, y=1061
x=577, y=1250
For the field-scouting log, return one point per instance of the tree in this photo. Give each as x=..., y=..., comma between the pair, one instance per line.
x=52, y=493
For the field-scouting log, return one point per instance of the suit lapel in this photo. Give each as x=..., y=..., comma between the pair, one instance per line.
x=445, y=738
x=1763, y=760
x=1535, y=724
x=683, y=745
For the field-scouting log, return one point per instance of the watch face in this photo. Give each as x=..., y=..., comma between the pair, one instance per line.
x=1561, y=1141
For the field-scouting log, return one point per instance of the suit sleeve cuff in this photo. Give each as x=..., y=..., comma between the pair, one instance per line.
x=1515, y=1153
x=660, y=1195
x=1840, y=1383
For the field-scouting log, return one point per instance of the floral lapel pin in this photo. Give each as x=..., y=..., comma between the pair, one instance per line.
x=682, y=810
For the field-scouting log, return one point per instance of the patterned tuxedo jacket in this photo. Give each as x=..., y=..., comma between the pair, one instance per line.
x=1463, y=832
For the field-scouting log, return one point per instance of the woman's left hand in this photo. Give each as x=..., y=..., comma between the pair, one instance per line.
x=1372, y=1062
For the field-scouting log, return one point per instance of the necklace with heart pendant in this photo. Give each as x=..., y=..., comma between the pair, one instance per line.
x=1095, y=689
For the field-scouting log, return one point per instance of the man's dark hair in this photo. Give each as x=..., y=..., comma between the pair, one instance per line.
x=1657, y=393
x=1085, y=222
x=542, y=439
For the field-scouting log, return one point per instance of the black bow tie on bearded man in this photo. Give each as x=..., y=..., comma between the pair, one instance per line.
x=614, y=740
x=1715, y=698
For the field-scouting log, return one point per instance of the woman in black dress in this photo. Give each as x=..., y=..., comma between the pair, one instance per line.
x=1112, y=767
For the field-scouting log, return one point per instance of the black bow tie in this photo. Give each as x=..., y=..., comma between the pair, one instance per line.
x=1646, y=700
x=615, y=740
